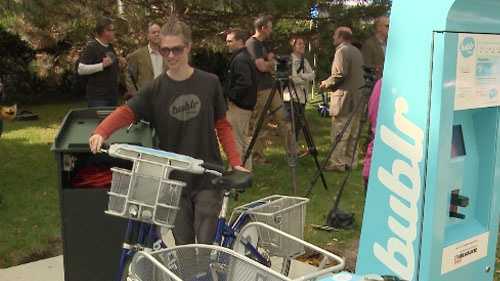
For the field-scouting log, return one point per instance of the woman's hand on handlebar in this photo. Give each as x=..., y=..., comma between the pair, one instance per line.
x=241, y=169
x=95, y=143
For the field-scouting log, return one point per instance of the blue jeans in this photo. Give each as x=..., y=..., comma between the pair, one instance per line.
x=102, y=102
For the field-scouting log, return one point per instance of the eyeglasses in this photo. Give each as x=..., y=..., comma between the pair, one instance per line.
x=177, y=50
x=229, y=41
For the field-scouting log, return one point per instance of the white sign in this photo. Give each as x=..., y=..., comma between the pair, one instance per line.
x=478, y=71
x=398, y=253
x=464, y=253
x=344, y=276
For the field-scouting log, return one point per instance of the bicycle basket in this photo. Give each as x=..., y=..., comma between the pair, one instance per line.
x=312, y=264
x=285, y=213
x=197, y=263
x=145, y=193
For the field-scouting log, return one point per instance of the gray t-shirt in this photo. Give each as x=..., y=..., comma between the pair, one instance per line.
x=184, y=115
x=257, y=50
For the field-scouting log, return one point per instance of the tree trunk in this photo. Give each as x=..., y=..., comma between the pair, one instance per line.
x=178, y=7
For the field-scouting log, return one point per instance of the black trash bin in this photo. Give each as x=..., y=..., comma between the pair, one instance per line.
x=92, y=240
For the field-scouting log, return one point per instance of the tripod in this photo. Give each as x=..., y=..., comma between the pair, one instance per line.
x=281, y=83
x=362, y=105
x=336, y=218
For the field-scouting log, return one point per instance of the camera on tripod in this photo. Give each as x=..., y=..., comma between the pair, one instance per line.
x=283, y=67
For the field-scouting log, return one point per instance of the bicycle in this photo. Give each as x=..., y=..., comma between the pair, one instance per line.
x=148, y=197
x=198, y=262
x=284, y=213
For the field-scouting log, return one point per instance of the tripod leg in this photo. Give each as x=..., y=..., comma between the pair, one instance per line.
x=258, y=127
x=307, y=135
x=336, y=141
x=313, y=151
x=353, y=156
x=293, y=143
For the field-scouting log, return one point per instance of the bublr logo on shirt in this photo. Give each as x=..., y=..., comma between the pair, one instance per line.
x=185, y=107
x=467, y=47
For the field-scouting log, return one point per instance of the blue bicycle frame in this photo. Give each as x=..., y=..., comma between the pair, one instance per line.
x=226, y=233
x=139, y=234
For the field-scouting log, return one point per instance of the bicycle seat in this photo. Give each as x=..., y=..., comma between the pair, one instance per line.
x=234, y=179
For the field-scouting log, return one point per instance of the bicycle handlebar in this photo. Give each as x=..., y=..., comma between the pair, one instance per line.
x=190, y=164
x=226, y=180
x=104, y=148
x=213, y=167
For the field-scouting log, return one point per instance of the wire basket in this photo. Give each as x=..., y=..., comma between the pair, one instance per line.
x=146, y=193
x=198, y=263
x=284, y=213
x=312, y=264
x=214, y=263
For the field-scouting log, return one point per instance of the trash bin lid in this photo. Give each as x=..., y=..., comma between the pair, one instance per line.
x=79, y=124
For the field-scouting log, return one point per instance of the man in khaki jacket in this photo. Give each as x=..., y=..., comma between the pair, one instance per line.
x=374, y=47
x=146, y=63
x=344, y=85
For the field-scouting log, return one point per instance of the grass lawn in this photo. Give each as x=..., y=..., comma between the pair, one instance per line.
x=30, y=221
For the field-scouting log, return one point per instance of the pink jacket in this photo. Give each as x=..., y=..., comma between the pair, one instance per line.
x=372, y=117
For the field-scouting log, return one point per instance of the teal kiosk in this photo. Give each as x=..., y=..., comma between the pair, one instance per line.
x=432, y=207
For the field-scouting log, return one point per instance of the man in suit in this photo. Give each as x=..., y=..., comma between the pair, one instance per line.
x=374, y=47
x=146, y=63
x=344, y=85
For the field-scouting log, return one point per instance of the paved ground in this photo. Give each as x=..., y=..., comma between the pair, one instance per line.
x=53, y=270
x=44, y=270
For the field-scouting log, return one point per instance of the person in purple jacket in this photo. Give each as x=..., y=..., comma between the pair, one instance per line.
x=373, y=104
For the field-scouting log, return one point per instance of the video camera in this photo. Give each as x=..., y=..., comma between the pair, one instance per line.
x=283, y=66
x=370, y=76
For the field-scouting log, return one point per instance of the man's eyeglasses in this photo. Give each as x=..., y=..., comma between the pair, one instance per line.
x=174, y=50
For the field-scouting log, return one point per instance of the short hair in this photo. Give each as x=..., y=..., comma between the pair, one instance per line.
x=238, y=34
x=101, y=24
x=262, y=21
x=344, y=32
x=176, y=27
x=294, y=39
x=151, y=23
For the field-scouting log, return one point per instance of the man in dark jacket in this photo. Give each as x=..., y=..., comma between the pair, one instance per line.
x=240, y=89
x=100, y=63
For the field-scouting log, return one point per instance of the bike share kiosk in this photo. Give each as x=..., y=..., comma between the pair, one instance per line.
x=432, y=206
